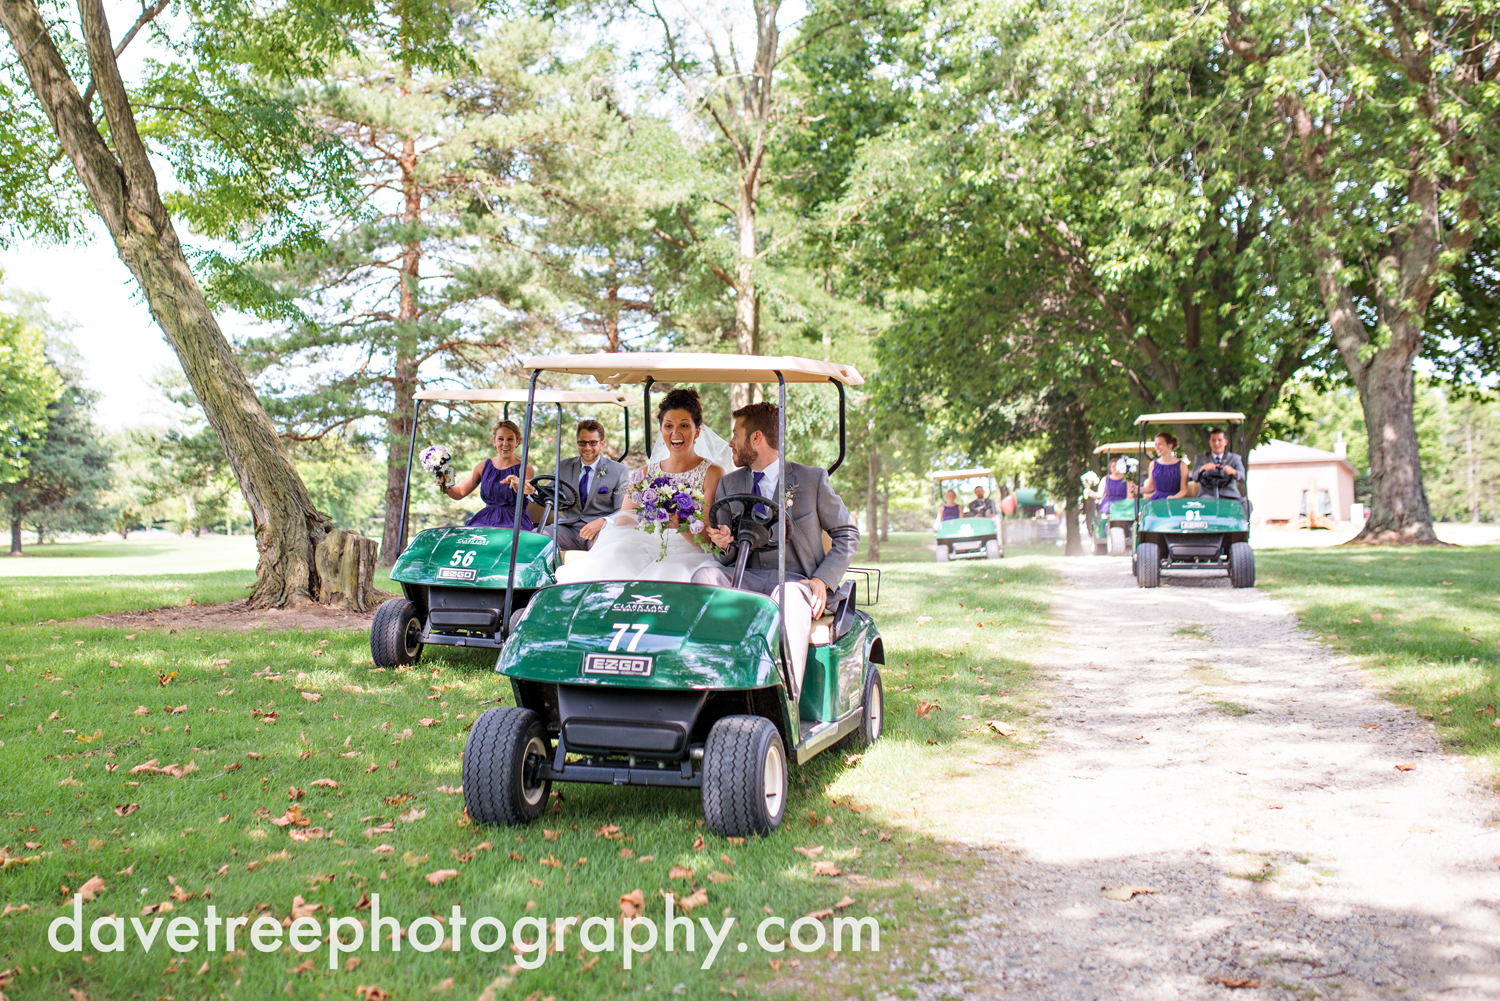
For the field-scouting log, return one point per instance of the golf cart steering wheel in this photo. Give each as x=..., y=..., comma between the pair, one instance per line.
x=749, y=527
x=549, y=490
x=1215, y=479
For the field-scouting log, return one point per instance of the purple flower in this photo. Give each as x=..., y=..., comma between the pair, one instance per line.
x=661, y=481
x=696, y=527
x=684, y=503
x=637, y=477
x=648, y=496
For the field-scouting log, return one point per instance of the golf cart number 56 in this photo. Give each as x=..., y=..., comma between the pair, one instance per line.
x=463, y=558
x=621, y=628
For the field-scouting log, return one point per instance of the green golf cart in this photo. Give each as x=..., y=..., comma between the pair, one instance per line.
x=453, y=580
x=1203, y=532
x=965, y=537
x=689, y=686
x=1113, y=529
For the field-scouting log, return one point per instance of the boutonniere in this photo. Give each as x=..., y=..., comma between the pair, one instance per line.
x=791, y=496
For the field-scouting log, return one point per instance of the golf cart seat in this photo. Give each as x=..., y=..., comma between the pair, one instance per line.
x=837, y=619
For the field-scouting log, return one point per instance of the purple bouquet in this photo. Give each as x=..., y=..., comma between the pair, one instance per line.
x=657, y=499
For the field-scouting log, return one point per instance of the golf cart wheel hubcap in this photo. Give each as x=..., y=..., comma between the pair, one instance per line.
x=774, y=779
x=413, y=630
x=877, y=716
x=532, y=760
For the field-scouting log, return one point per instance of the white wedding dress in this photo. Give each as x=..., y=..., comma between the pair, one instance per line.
x=624, y=552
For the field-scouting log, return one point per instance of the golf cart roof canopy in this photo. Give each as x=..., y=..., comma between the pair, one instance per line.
x=673, y=366
x=1117, y=447
x=962, y=474
x=519, y=396
x=1192, y=417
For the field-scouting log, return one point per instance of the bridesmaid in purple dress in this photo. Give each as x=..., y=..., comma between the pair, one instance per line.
x=1114, y=487
x=498, y=479
x=951, y=509
x=1169, y=475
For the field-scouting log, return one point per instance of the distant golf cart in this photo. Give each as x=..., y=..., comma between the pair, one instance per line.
x=453, y=580
x=1206, y=532
x=664, y=684
x=1112, y=531
x=964, y=537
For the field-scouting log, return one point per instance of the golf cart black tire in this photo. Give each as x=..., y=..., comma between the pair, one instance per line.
x=1118, y=541
x=735, y=758
x=494, y=772
x=1148, y=565
x=1241, y=565
x=872, y=713
x=942, y=553
x=393, y=634
x=991, y=549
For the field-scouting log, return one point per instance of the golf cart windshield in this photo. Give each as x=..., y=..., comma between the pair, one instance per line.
x=505, y=397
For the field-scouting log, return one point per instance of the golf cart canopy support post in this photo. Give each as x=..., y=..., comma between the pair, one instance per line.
x=411, y=451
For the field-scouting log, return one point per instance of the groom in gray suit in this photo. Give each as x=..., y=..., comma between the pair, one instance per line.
x=601, y=483
x=813, y=509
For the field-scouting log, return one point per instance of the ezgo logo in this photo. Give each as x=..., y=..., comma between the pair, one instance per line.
x=641, y=603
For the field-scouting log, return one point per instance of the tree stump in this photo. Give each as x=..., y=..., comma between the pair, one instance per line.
x=345, y=565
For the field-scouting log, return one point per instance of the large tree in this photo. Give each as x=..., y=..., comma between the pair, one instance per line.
x=239, y=138
x=1066, y=213
x=1380, y=121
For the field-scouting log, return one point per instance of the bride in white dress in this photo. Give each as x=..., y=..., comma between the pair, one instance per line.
x=622, y=550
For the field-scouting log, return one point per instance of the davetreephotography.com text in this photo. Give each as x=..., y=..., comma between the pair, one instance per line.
x=531, y=938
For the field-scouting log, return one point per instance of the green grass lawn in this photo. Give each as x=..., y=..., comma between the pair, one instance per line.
x=1426, y=620
x=269, y=721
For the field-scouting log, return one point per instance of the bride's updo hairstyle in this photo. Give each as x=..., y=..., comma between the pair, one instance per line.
x=681, y=399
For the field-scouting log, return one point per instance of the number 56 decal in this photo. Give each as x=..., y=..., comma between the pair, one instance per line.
x=621, y=628
x=463, y=557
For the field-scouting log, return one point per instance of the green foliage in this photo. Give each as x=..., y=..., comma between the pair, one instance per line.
x=345, y=479
x=68, y=463
x=29, y=384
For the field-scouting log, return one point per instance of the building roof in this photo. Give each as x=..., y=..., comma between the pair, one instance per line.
x=1286, y=453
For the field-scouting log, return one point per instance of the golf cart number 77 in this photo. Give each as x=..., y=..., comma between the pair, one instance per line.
x=621, y=628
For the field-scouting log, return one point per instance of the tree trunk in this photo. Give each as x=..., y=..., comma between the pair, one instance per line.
x=122, y=186
x=346, y=565
x=15, y=537
x=400, y=426
x=1070, y=513
x=872, y=505
x=885, y=515
x=746, y=304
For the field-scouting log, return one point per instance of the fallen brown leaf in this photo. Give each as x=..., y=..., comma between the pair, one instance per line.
x=126, y=809
x=91, y=888
x=696, y=899
x=680, y=872
x=632, y=904
x=441, y=876
x=826, y=869
x=1125, y=892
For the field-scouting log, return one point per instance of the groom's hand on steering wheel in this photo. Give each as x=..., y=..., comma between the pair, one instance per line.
x=719, y=536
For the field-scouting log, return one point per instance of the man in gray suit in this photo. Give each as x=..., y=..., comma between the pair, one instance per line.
x=812, y=509
x=601, y=483
x=1227, y=469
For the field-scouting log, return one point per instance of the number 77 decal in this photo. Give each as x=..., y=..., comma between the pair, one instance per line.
x=621, y=628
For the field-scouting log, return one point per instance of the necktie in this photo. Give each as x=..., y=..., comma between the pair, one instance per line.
x=755, y=489
x=583, y=487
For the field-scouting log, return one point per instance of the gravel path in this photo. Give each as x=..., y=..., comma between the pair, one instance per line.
x=1202, y=745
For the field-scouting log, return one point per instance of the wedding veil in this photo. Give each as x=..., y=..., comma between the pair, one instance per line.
x=709, y=445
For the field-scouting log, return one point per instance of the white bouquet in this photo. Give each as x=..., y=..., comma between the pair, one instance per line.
x=435, y=459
